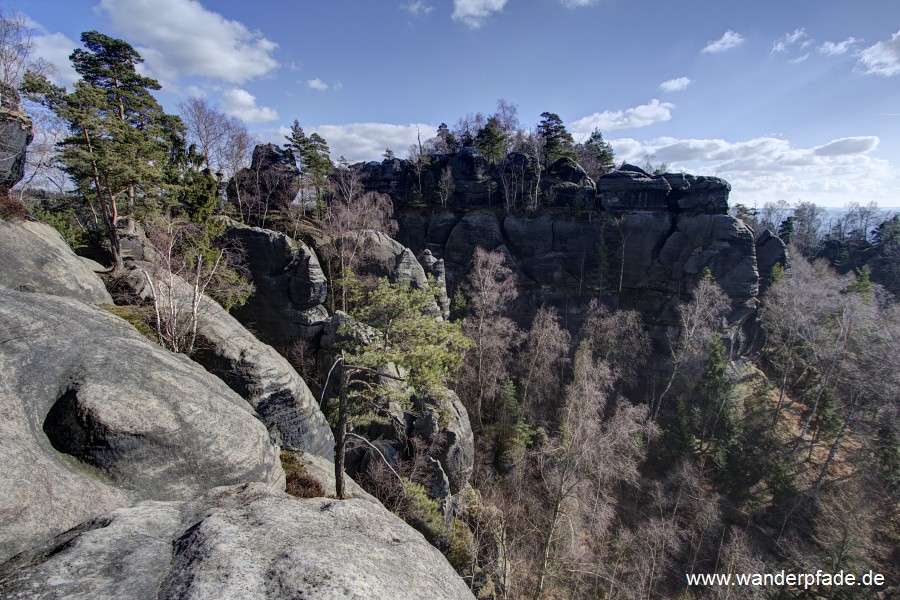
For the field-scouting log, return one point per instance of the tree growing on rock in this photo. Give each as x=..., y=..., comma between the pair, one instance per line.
x=395, y=344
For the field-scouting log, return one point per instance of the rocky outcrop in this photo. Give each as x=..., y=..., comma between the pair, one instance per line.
x=15, y=135
x=35, y=258
x=567, y=184
x=96, y=416
x=290, y=286
x=770, y=251
x=639, y=258
x=273, y=180
x=238, y=542
x=256, y=371
x=443, y=420
x=388, y=258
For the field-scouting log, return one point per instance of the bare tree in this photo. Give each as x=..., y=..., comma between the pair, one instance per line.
x=17, y=50
x=698, y=321
x=185, y=269
x=490, y=288
x=773, y=213
x=234, y=153
x=593, y=451
x=446, y=186
x=792, y=310
x=533, y=147
x=42, y=169
x=619, y=340
x=207, y=128
x=350, y=223
x=541, y=359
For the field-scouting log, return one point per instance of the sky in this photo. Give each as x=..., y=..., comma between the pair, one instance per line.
x=795, y=100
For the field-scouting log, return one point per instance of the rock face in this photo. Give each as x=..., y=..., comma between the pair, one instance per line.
x=96, y=415
x=290, y=286
x=256, y=371
x=15, y=135
x=238, y=542
x=35, y=258
x=770, y=251
x=644, y=245
x=272, y=180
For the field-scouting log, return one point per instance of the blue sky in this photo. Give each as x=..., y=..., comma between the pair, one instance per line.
x=793, y=100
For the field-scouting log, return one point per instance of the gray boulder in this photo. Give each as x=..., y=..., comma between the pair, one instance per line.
x=35, y=258
x=238, y=542
x=471, y=178
x=290, y=286
x=256, y=371
x=698, y=193
x=96, y=415
x=386, y=257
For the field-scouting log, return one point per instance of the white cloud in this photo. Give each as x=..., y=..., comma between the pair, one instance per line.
x=849, y=145
x=367, y=141
x=195, y=92
x=417, y=8
x=675, y=85
x=242, y=104
x=788, y=40
x=55, y=48
x=474, y=12
x=361, y=141
x=180, y=37
x=577, y=3
x=837, y=48
x=317, y=84
x=729, y=40
x=638, y=116
x=882, y=58
x=799, y=59
x=768, y=168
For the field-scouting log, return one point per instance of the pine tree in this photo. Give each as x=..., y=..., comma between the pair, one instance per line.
x=118, y=143
x=490, y=141
x=558, y=142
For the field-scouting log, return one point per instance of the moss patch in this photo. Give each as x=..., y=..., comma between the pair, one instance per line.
x=299, y=482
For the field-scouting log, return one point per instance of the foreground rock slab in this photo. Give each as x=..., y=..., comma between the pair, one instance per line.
x=238, y=542
x=35, y=258
x=94, y=416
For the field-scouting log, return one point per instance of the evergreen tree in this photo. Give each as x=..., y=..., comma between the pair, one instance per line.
x=118, y=142
x=558, y=142
x=490, y=141
x=401, y=340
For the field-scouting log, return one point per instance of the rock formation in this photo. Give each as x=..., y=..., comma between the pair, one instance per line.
x=635, y=240
x=256, y=371
x=130, y=471
x=15, y=135
x=290, y=286
x=237, y=542
x=98, y=416
x=272, y=181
